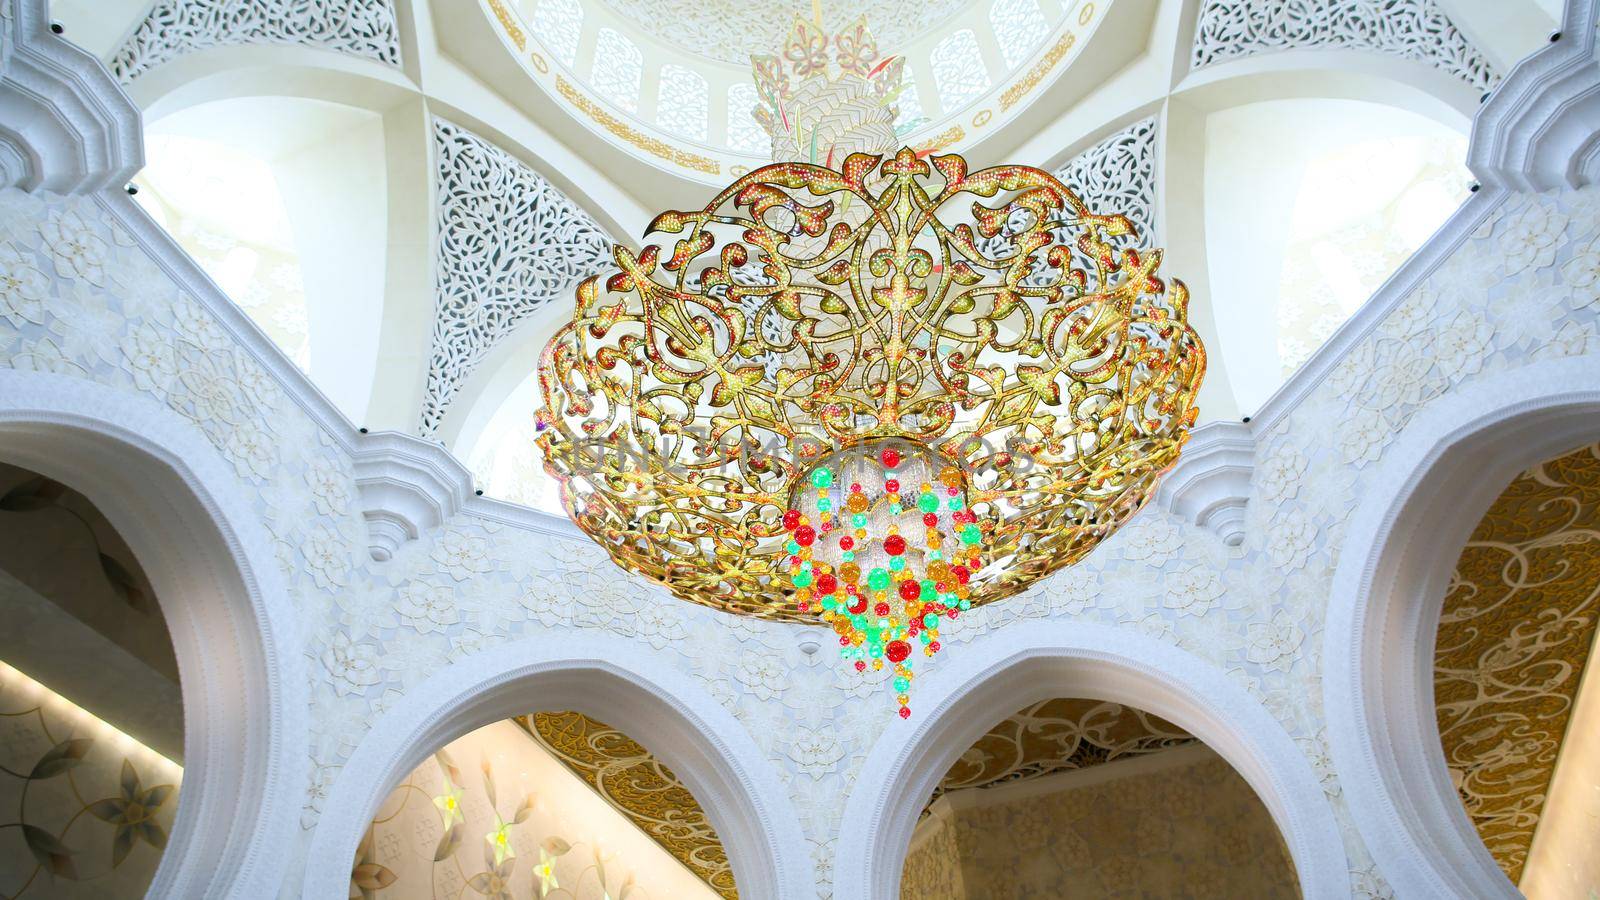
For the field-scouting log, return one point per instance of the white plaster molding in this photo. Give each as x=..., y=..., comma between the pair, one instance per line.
x=1010, y=668
x=1540, y=130
x=236, y=635
x=1210, y=485
x=1435, y=483
x=508, y=241
x=407, y=486
x=65, y=125
x=604, y=675
x=173, y=28
x=1412, y=29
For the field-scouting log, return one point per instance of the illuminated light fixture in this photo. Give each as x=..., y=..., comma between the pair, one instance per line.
x=874, y=396
x=819, y=108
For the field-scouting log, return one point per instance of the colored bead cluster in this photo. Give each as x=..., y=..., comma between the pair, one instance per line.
x=895, y=607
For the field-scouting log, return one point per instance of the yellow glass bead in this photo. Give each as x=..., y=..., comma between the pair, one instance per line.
x=950, y=476
x=856, y=503
x=877, y=665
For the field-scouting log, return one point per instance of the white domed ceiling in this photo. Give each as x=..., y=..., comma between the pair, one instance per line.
x=731, y=30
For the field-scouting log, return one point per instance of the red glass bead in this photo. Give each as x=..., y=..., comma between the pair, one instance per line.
x=882, y=609
x=934, y=646
x=910, y=590
x=894, y=545
x=861, y=665
x=844, y=640
x=897, y=651
x=905, y=712
x=962, y=573
x=855, y=487
x=846, y=542
x=805, y=606
x=791, y=519
x=892, y=485
x=827, y=584
x=860, y=606
x=889, y=456
x=930, y=519
x=805, y=535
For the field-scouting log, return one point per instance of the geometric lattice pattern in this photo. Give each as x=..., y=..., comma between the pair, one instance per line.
x=1518, y=624
x=1412, y=29
x=364, y=28
x=508, y=242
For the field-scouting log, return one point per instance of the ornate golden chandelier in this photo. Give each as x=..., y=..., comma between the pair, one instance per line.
x=874, y=396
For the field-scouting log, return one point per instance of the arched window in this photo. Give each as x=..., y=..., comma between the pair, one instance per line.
x=958, y=70
x=618, y=69
x=909, y=103
x=1019, y=26
x=685, y=102
x=745, y=134
x=559, y=23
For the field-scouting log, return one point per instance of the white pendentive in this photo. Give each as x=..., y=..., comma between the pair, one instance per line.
x=364, y=28
x=64, y=126
x=508, y=243
x=1412, y=29
x=1210, y=485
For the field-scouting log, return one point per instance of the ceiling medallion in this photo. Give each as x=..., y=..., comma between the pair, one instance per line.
x=876, y=395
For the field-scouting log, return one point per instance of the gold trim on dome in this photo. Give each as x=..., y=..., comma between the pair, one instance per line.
x=637, y=785
x=1518, y=623
x=1038, y=71
x=1057, y=735
x=942, y=140
x=508, y=21
x=634, y=136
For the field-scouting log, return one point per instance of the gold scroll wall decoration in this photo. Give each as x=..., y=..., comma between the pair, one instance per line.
x=637, y=785
x=1518, y=623
x=1057, y=735
x=989, y=317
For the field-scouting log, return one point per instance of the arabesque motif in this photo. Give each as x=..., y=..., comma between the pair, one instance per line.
x=808, y=311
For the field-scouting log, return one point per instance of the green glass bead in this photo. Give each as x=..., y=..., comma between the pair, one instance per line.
x=821, y=478
x=894, y=509
x=859, y=520
x=824, y=504
x=805, y=565
x=848, y=556
x=875, y=651
x=928, y=503
x=802, y=579
x=934, y=554
x=930, y=620
x=902, y=684
x=924, y=636
x=956, y=503
x=928, y=592
x=966, y=605
x=970, y=534
x=878, y=580
x=897, y=563
x=793, y=547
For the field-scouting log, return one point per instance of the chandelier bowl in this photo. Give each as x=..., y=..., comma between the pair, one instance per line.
x=987, y=320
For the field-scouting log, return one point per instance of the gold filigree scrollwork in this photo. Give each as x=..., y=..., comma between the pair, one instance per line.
x=1516, y=631
x=989, y=316
x=640, y=787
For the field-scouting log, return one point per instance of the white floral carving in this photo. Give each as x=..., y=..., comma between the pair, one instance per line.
x=1412, y=29
x=814, y=751
x=1273, y=644
x=353, y=665
x=1531, y=237
x=172, y=28
x=328, y=556
x=23, y=288
x=462, y=555
x=427, y=607
x=77, y=250
x=508, y=243
x=1192, y=591
x=329, y=486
